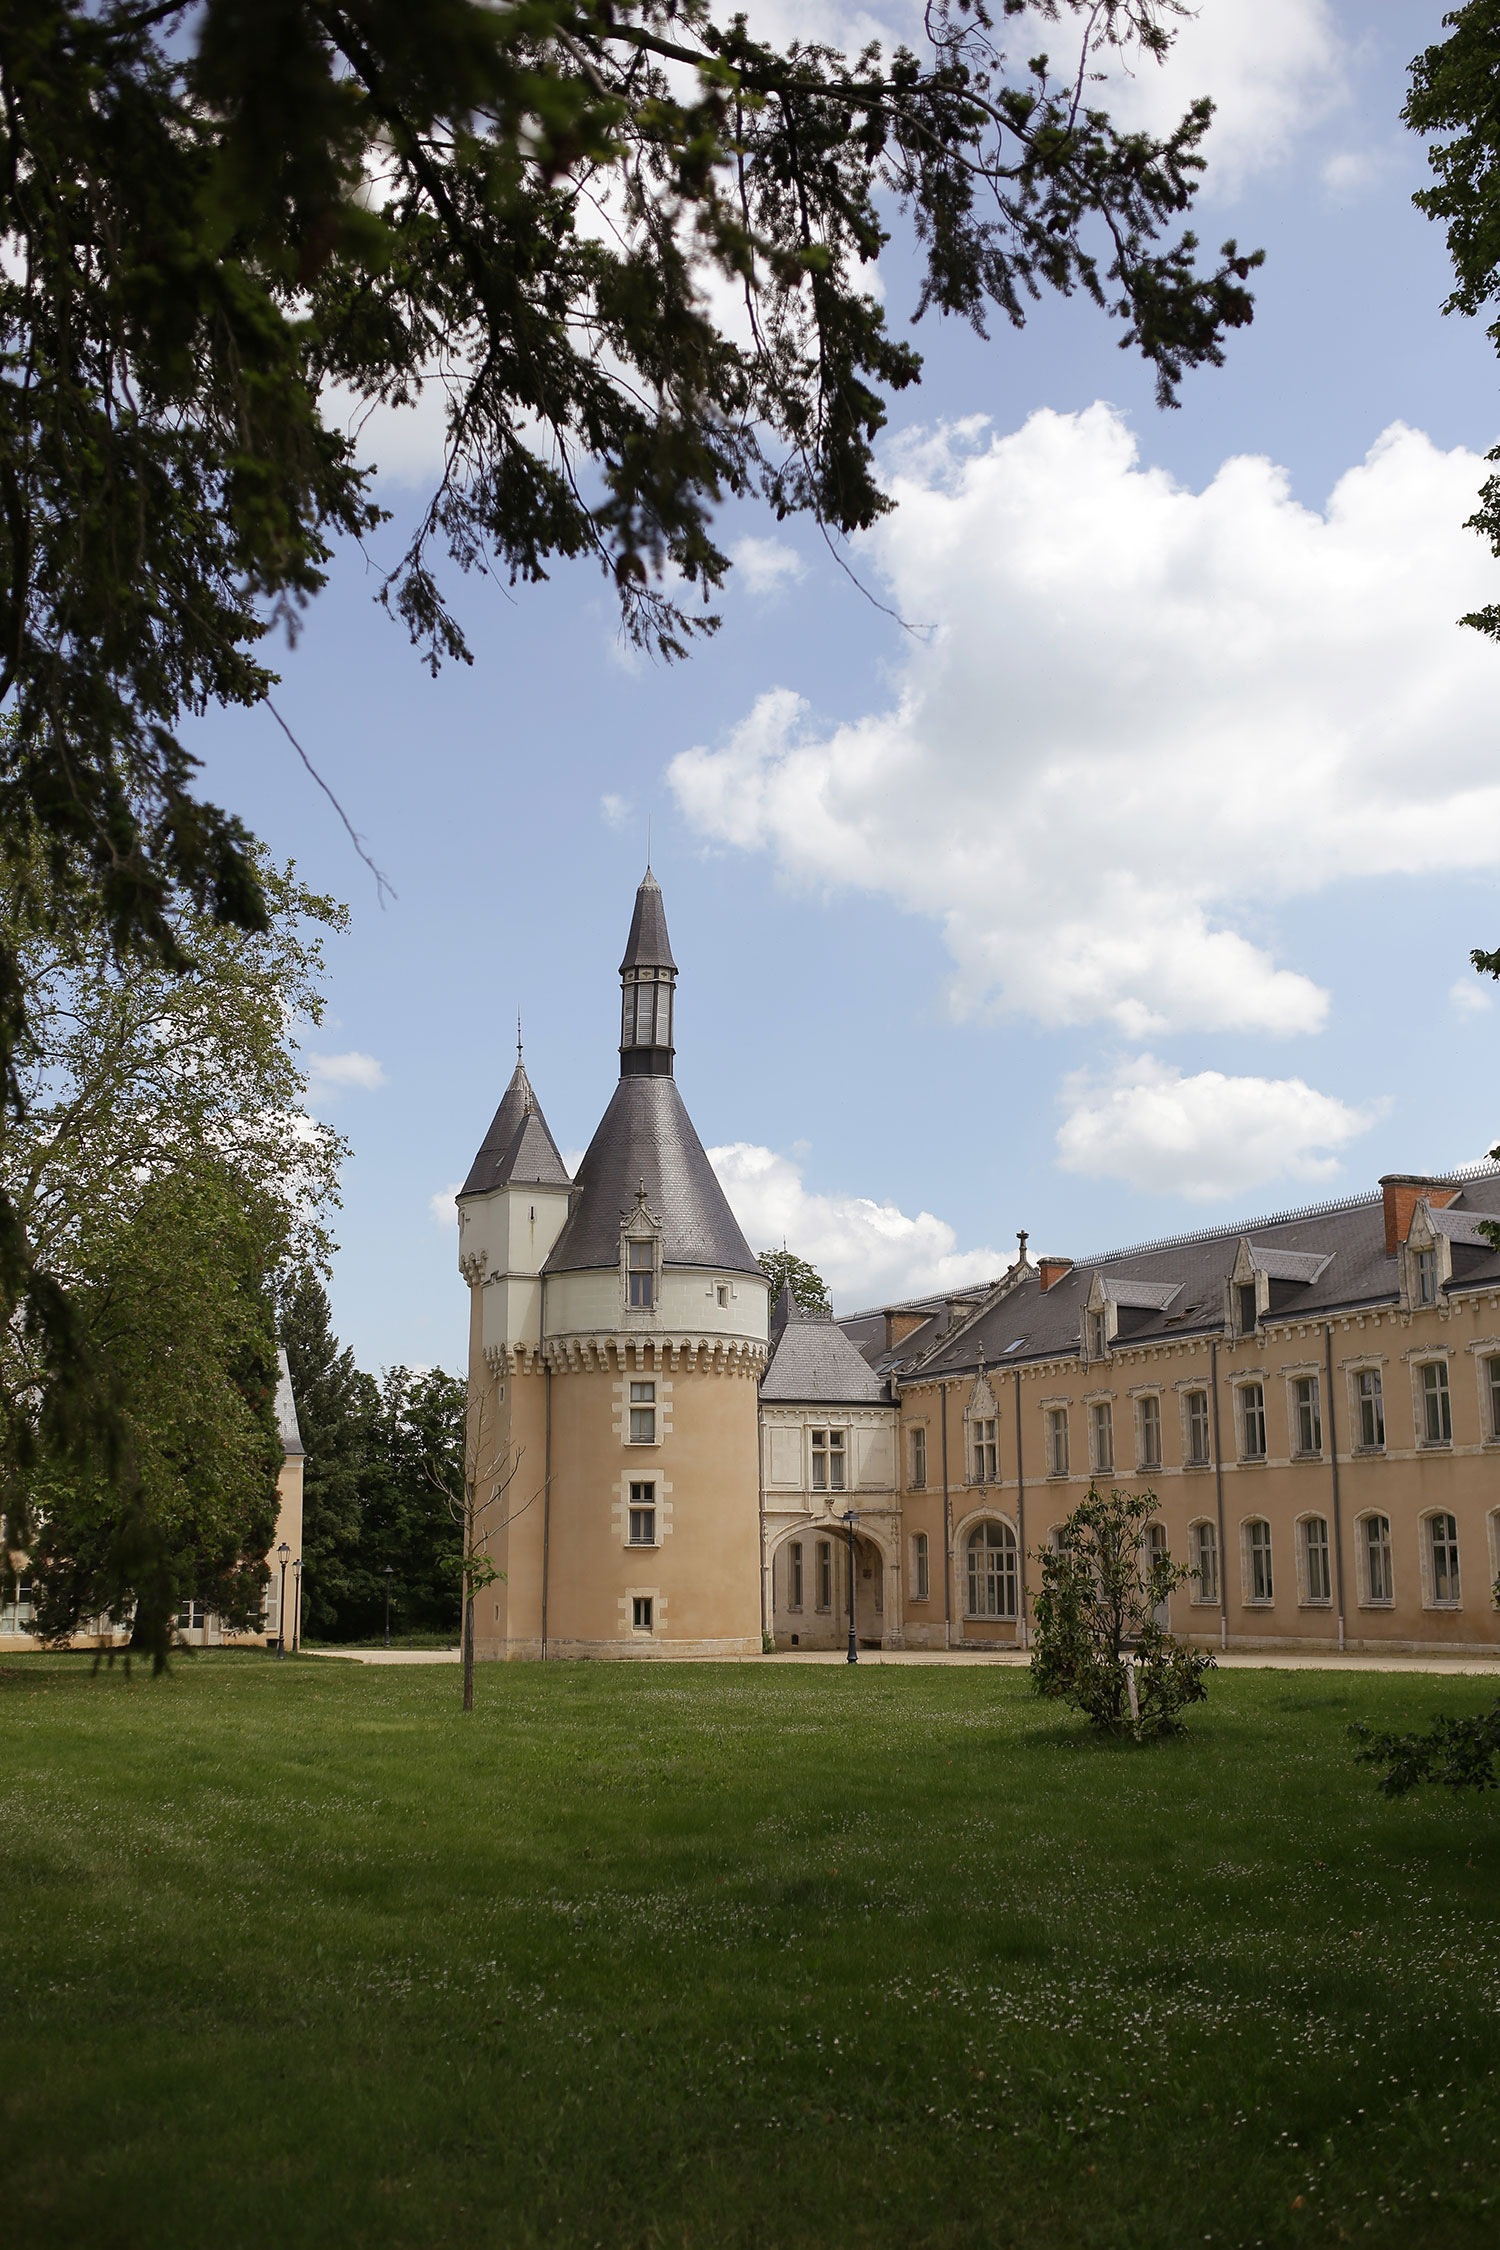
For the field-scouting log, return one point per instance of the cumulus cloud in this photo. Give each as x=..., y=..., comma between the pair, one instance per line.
x=444, y=1205
x=616, y=811
x=1141, y=716
x=337, y=1074
x=1468, y=997
x=1206, y=1137
x=865, y=1251
x=765, y=566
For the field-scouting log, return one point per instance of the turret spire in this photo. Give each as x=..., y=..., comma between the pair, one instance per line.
x=648, y=977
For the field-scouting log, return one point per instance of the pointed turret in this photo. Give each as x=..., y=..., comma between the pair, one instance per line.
x=518, y=1150
x=648, y=975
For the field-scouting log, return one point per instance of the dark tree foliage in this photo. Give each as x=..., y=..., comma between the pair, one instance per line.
x=211, y=213
x=809, y=1289
x=1459, y=1753
x=1096, y=1624
x=338, y=1406
x=416, y=1458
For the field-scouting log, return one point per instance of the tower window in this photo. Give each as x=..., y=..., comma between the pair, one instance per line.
x=723, y=1293
x=828, y=1460
x=643, y=1414
x=643, y=1515
x=641, y=1607
x=641, y=1267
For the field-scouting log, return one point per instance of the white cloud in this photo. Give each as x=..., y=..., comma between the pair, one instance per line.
x=1205, y=1137
x=617, y=811
x=764, y=566
x=865, y=1251
x=336, y=1074
x=1469, y=997
x=1142, y=717
x=443, y=1206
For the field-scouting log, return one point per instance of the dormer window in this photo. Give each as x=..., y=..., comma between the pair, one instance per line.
x=641, y=1275
x=1424, y=1277
x=1246, y=1295
x=1098, y=1335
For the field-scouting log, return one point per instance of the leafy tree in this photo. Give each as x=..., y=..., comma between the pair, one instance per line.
x=226, y=221
x=161, y=1137
x=416, y=1456
x=809, y=1289
x=1098, y=1644
x=1459, y=1753
x=338, y=1407
x=179, y=1305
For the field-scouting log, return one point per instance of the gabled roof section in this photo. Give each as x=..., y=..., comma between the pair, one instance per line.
x=286, y=1409
x=518, y=1149
x=1137, y=1295
x=814, y=1364
x=1461, y=1226
x=646, y=1139
x=647, y=946
x=1306, y=1266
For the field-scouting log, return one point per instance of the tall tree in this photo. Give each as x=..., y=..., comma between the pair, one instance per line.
x=625, y=239
x=338, y=1407
x=416, y=1460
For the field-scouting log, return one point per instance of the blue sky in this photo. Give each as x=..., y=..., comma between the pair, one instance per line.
x=1133, y=892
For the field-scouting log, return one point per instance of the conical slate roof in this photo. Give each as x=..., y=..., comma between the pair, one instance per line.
x=646, y=1137
x=647, y=946
x=518, y=1147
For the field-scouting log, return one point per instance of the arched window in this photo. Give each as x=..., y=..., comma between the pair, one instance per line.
x=1377, y=1581
x=992, y=1571
x=1442, y=1560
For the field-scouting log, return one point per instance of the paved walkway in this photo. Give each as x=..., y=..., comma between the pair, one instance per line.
x=1232, y=1660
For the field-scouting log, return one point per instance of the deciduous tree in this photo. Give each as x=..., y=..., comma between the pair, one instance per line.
x=783, y=1268
x=1099, y=1644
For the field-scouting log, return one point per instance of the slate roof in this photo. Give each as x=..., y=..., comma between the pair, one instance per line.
x=518, y=1146
x=814, y=1364
x=646, y=1136
x=286, y=1408
x=647, y=946
x=1340, y=1247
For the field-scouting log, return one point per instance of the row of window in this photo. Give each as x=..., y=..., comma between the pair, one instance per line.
x=1434, y=1426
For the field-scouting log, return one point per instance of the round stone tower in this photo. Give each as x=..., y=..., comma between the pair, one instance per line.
x=618, y=1333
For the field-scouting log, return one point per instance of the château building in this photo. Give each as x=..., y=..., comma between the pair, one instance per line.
x=668, y=1468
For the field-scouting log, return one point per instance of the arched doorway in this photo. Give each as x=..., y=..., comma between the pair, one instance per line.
x=809, y=1588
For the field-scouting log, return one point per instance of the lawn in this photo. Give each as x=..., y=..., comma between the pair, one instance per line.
x=707, y=1956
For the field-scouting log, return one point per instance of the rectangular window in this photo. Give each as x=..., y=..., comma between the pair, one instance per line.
x=1057, y=1441
x=986, y=1452
x=1098, y=1335
x=722, y=1293
x=1315, y=1556
x=1379, y=1580
x=1371, y=1408
x=1246, y=1294
x=919, y=1578
x=1206, y=1562
x=1259, y=1543
x=643, y=1515
x=1437, y=1412
x=825, y=1574
x=641, y=1258
x=1253, y=1421
x=1425, y=1263
x=18, y=1615
x=1148, y=1432
x=1102, y=1431
x=641, y=1606
x=1442, y=1534
x=828, y=1460
x=794, y=1575
x=1492, y=1385
x=1198, y=1450
x=918, y=1460
x=643, y=1414
x=1309, y=1415
x=192, y=1617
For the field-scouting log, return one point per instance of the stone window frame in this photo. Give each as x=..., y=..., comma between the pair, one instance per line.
x=1363, y=1598
x=1306, y=1599
x=641, y=1225
x=796, y=1577
x=1248, y=1598
x=1049, y=1407
x=1426, y=1560
x=1141, y=1394
x=824, y=1573
x=1196, y=1596
x=843, y=1452
x=1195, y=1386
x=921, y=1567
x=963, y=1532
x=1430, y=1355
x=916, y=1431
x=1094, y=1401
x=620, y=1505
x=1252, y=1379
x=1483, y=1350
x=1365, y=1363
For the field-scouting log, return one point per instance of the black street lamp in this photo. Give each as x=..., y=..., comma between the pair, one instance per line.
x=389, y=1575
x=285, y=1554
x=849, y=1521
x=296, y=1602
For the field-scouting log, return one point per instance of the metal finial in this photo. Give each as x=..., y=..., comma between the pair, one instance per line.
x=518, y=1035
x=648, y=843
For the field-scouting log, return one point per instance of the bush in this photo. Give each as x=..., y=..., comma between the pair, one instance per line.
x=1458, y=1753
x=1099, y=1646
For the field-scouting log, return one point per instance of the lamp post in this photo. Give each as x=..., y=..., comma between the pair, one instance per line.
x=389, y=1575
x=849, y=1521
x=296, y=1603
x=284, y=1554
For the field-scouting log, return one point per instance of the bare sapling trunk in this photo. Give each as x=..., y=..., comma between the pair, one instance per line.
x=488, y=1474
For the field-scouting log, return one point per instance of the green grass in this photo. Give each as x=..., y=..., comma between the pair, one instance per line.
x=708, y=1956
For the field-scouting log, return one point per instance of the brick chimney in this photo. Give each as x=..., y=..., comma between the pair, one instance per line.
x=899, y=1325
x=1053, y=1269
x=1402, y=1192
